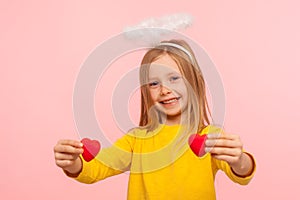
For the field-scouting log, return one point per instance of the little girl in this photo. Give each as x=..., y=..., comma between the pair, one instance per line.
x=157, y=153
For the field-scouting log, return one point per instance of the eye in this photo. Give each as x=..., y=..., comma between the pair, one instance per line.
x=154, y=84
x=174, y=78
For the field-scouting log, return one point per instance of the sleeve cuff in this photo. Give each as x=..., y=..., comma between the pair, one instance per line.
x=244, y=180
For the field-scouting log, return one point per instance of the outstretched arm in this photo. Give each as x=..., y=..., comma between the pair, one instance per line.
x=229, y=148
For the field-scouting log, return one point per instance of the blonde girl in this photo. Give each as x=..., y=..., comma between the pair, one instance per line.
x=157, y=153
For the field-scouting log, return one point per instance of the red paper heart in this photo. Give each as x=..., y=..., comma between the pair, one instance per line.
x=197, y=144
x=90, y=149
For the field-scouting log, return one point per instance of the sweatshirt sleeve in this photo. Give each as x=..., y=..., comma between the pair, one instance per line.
x=109, y=161
x=224, y=166
x=242, y=180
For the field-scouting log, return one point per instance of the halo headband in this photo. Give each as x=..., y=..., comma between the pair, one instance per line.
x=178, y=47
x=154, y=30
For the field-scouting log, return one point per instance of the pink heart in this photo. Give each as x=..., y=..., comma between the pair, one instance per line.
x=90, y=149
x=197, y=144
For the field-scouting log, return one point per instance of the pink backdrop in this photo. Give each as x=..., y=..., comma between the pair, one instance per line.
x=255, y=46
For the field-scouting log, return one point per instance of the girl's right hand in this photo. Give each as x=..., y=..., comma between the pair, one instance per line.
x=66, y=153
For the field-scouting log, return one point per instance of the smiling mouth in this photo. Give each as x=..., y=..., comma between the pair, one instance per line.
x=172, y=100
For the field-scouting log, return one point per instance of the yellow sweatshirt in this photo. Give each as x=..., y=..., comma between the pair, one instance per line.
x=158, y=170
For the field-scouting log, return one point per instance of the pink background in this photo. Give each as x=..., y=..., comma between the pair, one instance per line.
x=254, y=44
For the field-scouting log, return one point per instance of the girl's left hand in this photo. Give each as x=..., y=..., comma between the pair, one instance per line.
x=223, y=146
x=229, y=147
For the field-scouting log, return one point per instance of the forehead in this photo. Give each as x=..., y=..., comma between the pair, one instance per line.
x=163, y=65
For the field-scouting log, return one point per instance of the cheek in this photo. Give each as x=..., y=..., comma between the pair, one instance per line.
x=185, y=92
x=181, y=89
x=153, y=94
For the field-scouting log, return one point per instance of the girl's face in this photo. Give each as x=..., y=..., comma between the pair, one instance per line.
x=167, y=88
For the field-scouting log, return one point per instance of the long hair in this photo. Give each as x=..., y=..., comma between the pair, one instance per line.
x=198, y=113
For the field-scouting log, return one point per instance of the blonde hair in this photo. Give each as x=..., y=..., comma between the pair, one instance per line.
x=198, y=113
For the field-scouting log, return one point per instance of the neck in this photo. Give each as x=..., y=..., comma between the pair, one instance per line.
x=173, y=120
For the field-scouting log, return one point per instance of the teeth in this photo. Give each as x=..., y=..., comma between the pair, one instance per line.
x=170, y=101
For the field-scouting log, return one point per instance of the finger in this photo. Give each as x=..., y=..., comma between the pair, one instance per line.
x=229, y=159
x=63, y=156
x=214, y=135
x=64, y=163
x=224, y=151
x=223, y=143
x=222, y=136
x=67, y=149
x=73, y=143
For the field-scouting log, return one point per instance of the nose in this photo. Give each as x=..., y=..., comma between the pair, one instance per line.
x=164, y=90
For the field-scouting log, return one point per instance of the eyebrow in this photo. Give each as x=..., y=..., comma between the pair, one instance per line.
x=169, y=74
